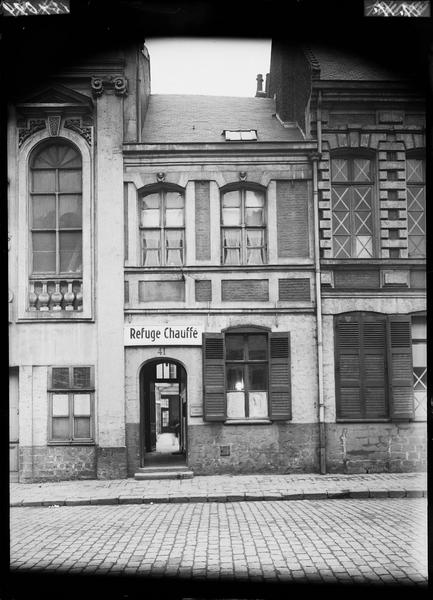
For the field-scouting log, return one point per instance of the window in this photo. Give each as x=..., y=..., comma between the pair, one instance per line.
x=162, y=226
x=56, y=210
x=419, y=359
x=246, y=375
x=352, y=207
x=373, y=367
x=71, y=397
x=416, y=225
x=243, y=227
x=239, y=135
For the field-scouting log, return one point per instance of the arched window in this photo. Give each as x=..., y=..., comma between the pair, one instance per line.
x=416, y=225
x=162, y=226
x=243, y=229
x=56, y=210
x=352, y=180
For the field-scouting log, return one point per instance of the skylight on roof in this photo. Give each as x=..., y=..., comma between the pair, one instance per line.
x=240, y=135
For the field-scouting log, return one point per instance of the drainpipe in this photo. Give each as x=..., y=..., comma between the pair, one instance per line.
x=321, y=411
x=137, y=96
x=319, y=122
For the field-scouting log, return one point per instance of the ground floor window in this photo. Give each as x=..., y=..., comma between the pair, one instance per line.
x=71, y=404
x=373, y=367
x=246, y=375
x=419, y=359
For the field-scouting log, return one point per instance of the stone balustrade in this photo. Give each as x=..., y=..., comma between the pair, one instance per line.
x=56, y=295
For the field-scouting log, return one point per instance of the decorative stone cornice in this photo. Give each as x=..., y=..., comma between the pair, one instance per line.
x=33, y=125
x=77, y=126
x=118, y=83
x=54, y=124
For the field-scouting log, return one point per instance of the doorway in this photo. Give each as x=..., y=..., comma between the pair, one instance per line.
x=163, y=413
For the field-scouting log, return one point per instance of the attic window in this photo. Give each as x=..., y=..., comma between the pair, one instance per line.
x=239, y=135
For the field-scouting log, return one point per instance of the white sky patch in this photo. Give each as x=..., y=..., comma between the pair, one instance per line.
x=213, y=67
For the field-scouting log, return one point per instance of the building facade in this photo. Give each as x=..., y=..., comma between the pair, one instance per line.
x=245, y=272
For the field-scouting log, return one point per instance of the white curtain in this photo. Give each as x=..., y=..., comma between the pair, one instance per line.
x=232, y=243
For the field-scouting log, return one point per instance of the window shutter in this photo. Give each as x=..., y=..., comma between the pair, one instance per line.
x=401, y=370
x=373, y=374
x=292, y=219
x=347, y=367
x=279, y=379
x=202, y=220
x=214, y=396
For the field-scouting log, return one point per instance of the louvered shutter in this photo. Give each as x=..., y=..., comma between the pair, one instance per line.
x=348, y=368
x=292, y=219
x=400, y=367
x=279, y=377
x=214, y=393
x=373, y=372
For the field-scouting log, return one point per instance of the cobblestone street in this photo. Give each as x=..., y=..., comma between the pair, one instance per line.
x=357, y=541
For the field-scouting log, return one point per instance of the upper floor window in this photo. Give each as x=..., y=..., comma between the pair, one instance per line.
x=162, y=226
x=243, y=230
x=56, y=210
x=352, y=207
x=416, y=225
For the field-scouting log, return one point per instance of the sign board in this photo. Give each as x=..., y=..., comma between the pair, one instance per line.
x=169, y=335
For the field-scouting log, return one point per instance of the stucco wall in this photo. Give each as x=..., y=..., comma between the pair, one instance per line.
x=277, y=437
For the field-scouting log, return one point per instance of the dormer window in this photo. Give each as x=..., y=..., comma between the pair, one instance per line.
x=240, y=135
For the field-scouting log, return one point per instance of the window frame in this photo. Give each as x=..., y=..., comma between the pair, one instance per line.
x=161, y=189
x=242, y=188
x=417, y=154
x=419, y=341
x=350, y=155
x=245, y=363
x=70, y=392
x=58, y=274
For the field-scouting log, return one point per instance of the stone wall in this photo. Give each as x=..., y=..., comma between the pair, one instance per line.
x=111, y=463
x=56, y=463
x=60, y=463
x=133, y=447
x=376, y=447
x=271, y=448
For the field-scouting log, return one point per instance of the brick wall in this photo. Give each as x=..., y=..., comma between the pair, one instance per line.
x=57, y=463
x=111, y=463
x=132, y=447
x=273, y=448
x=376, y=447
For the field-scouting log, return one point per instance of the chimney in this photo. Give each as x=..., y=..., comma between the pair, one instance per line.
x=267, y=85
x=260, y=93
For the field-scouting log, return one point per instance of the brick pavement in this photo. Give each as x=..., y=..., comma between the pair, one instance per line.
x=219, y=488
x=344, y=541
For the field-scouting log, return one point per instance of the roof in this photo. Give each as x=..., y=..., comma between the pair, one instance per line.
x=338, y=65
x=173, y=118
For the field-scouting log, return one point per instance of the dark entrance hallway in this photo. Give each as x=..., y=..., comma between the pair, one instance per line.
x=163, y=414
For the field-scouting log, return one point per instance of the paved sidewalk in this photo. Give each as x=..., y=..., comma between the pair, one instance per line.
x=219, y=488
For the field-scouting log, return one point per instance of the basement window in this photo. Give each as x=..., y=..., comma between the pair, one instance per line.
x=239, y=135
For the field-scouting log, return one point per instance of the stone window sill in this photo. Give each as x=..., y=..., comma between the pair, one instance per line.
x=247, y=422
x=73, y=443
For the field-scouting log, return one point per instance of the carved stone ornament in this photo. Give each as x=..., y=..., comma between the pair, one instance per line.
x=97, y=86
x=120, y=86
x=33, y=126
x=243, y=175
x=118, y=83
x=77, y=126
x=160, y=177
x=54, y=125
